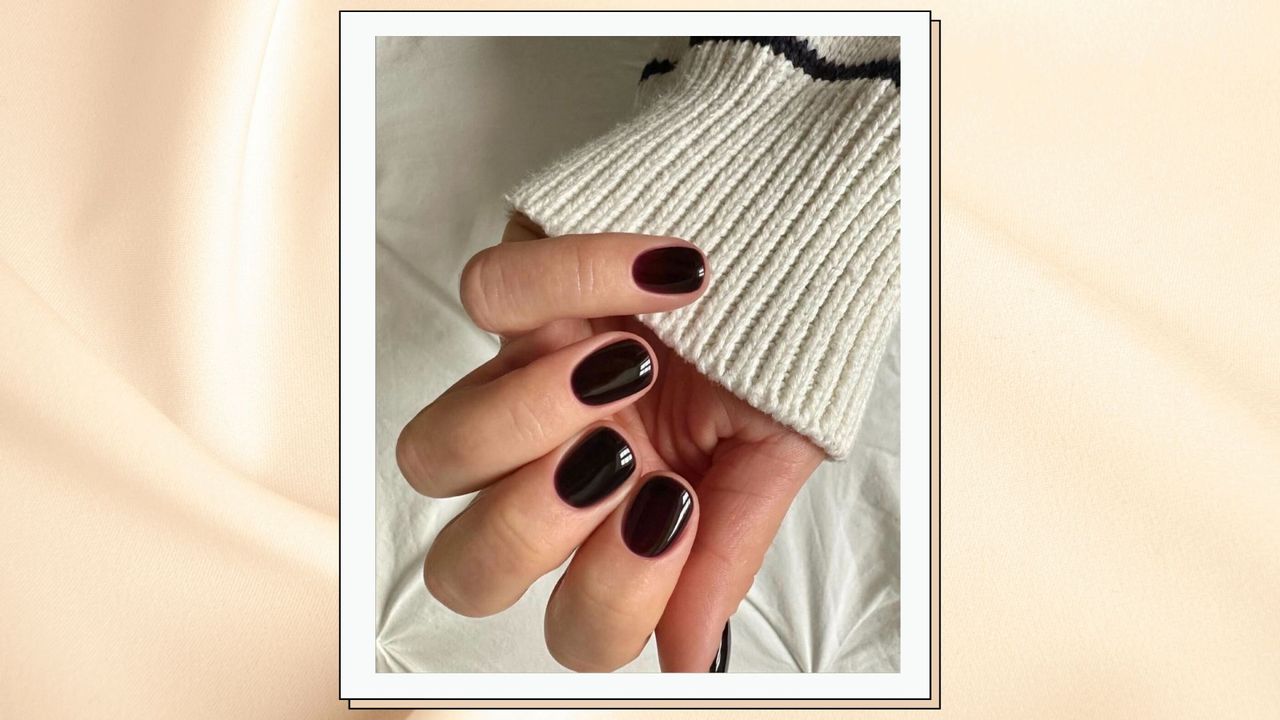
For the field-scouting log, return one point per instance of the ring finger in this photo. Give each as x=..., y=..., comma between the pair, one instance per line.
x=611, y=597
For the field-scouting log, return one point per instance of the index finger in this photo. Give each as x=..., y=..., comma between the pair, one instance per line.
x=515, y=287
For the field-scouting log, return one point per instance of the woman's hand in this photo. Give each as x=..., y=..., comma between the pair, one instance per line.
x=585, y=432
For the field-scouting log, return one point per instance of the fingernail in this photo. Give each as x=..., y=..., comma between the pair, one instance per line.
x=612, y=373
x=721, y=662
x=657, y=516
x=594, y=468
x=670, y=270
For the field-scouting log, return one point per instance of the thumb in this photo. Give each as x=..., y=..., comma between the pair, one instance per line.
x=742, y=500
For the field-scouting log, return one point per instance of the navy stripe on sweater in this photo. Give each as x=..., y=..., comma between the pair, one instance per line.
x=800, y=54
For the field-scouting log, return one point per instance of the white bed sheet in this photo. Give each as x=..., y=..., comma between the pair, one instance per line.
x=459, y=121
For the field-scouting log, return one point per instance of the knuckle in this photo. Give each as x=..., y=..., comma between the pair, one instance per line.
x=438, y=586
x=526, y=420
x=607, y=605
x=520, y=547
x=444, y=586
x=481, y=282
x=417, y=470
x=466, y=575
x=428, y=460
x=598, y=609
x=739, y=564
x=586, y=272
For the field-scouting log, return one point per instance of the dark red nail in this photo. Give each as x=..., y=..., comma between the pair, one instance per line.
x=721, y=662
x=670, y=270
x=594, y=468
x=612, y=373
x=657, y=516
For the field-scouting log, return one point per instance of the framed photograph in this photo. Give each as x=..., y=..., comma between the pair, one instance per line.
x=638, y=359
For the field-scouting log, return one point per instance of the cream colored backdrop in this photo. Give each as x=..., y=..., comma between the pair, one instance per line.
x=168, y=360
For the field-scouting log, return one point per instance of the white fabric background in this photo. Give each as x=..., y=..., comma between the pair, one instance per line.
x=459, y=121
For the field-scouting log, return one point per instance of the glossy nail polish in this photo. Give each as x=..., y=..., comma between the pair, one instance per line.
x=594, y=468
x=670, y=270
x=721, y=662
x=657, y=516
x=612, y=373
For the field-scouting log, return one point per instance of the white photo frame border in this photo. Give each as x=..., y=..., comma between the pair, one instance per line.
x=358, y=678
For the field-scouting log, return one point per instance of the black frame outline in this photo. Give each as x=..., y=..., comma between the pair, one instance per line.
x=937, y=700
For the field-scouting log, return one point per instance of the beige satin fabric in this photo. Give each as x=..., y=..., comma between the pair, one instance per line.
x=168, y=361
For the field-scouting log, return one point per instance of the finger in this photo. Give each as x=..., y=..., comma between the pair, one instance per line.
x=526, y=525
x=469, y=437
x=526, y=348
x=605, y=607
x=744, y=496
x=517, y=286
x=520, y=228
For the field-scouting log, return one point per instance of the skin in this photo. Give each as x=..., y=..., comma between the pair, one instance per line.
x=503, y=429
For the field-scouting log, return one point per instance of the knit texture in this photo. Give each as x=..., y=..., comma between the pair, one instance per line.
x=790, y=185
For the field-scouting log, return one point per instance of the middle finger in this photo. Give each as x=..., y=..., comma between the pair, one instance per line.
x=469, y=437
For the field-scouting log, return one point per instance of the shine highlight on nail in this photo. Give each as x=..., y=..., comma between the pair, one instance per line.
x=599, y=464
x=612, y=373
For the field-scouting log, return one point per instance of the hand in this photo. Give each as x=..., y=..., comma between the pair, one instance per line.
x=587, y=432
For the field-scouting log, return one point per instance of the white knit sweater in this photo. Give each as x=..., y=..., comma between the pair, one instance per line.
x=779, y=158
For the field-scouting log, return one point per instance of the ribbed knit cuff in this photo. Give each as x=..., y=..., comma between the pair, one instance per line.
x=780, y=160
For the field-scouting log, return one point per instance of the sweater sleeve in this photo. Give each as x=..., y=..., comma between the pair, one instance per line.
x=779, y=158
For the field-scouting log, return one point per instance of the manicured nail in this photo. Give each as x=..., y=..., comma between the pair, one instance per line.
x=657, y=516
x=721, y=662
x=594, y=468
x=670, y=270
x=612, y=373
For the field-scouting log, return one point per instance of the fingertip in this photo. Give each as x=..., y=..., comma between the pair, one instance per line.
x=661, y=517
x=672, y=267
x=616, y=372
